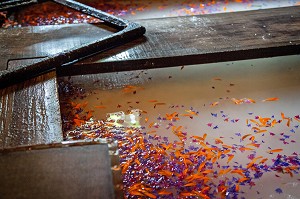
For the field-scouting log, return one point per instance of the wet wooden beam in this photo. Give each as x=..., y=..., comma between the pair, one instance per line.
x=168, y=41
x=202, y=39
x=30, y=113
x=65, y=172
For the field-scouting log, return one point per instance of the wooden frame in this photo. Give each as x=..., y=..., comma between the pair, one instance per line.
x=126, y=32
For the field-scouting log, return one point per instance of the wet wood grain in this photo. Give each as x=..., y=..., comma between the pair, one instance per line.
x=167, y=42
x=202, y=39
x=30, y=113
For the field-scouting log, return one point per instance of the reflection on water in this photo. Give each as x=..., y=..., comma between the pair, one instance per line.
x=224, y=130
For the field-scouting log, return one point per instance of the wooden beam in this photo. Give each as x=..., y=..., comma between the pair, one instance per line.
x=66, y=172
x=201, y=39
x=168, y=41
x=30, y=113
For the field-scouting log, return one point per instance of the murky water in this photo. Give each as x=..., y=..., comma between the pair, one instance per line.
x=252, y=106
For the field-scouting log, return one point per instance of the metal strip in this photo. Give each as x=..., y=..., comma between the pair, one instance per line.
x=10, y=4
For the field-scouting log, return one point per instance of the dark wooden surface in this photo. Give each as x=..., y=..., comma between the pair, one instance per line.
x=30, y=113
x=42, y=41
x=168, y=41
x=202, y=39
x=67, y=172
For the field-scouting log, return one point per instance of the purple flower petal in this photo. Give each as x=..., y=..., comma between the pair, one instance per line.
x=278, y=190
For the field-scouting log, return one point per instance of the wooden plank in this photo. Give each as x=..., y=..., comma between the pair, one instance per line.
x=202, y=39
x=30, y=113
x=168, y=41
x=67, y=172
